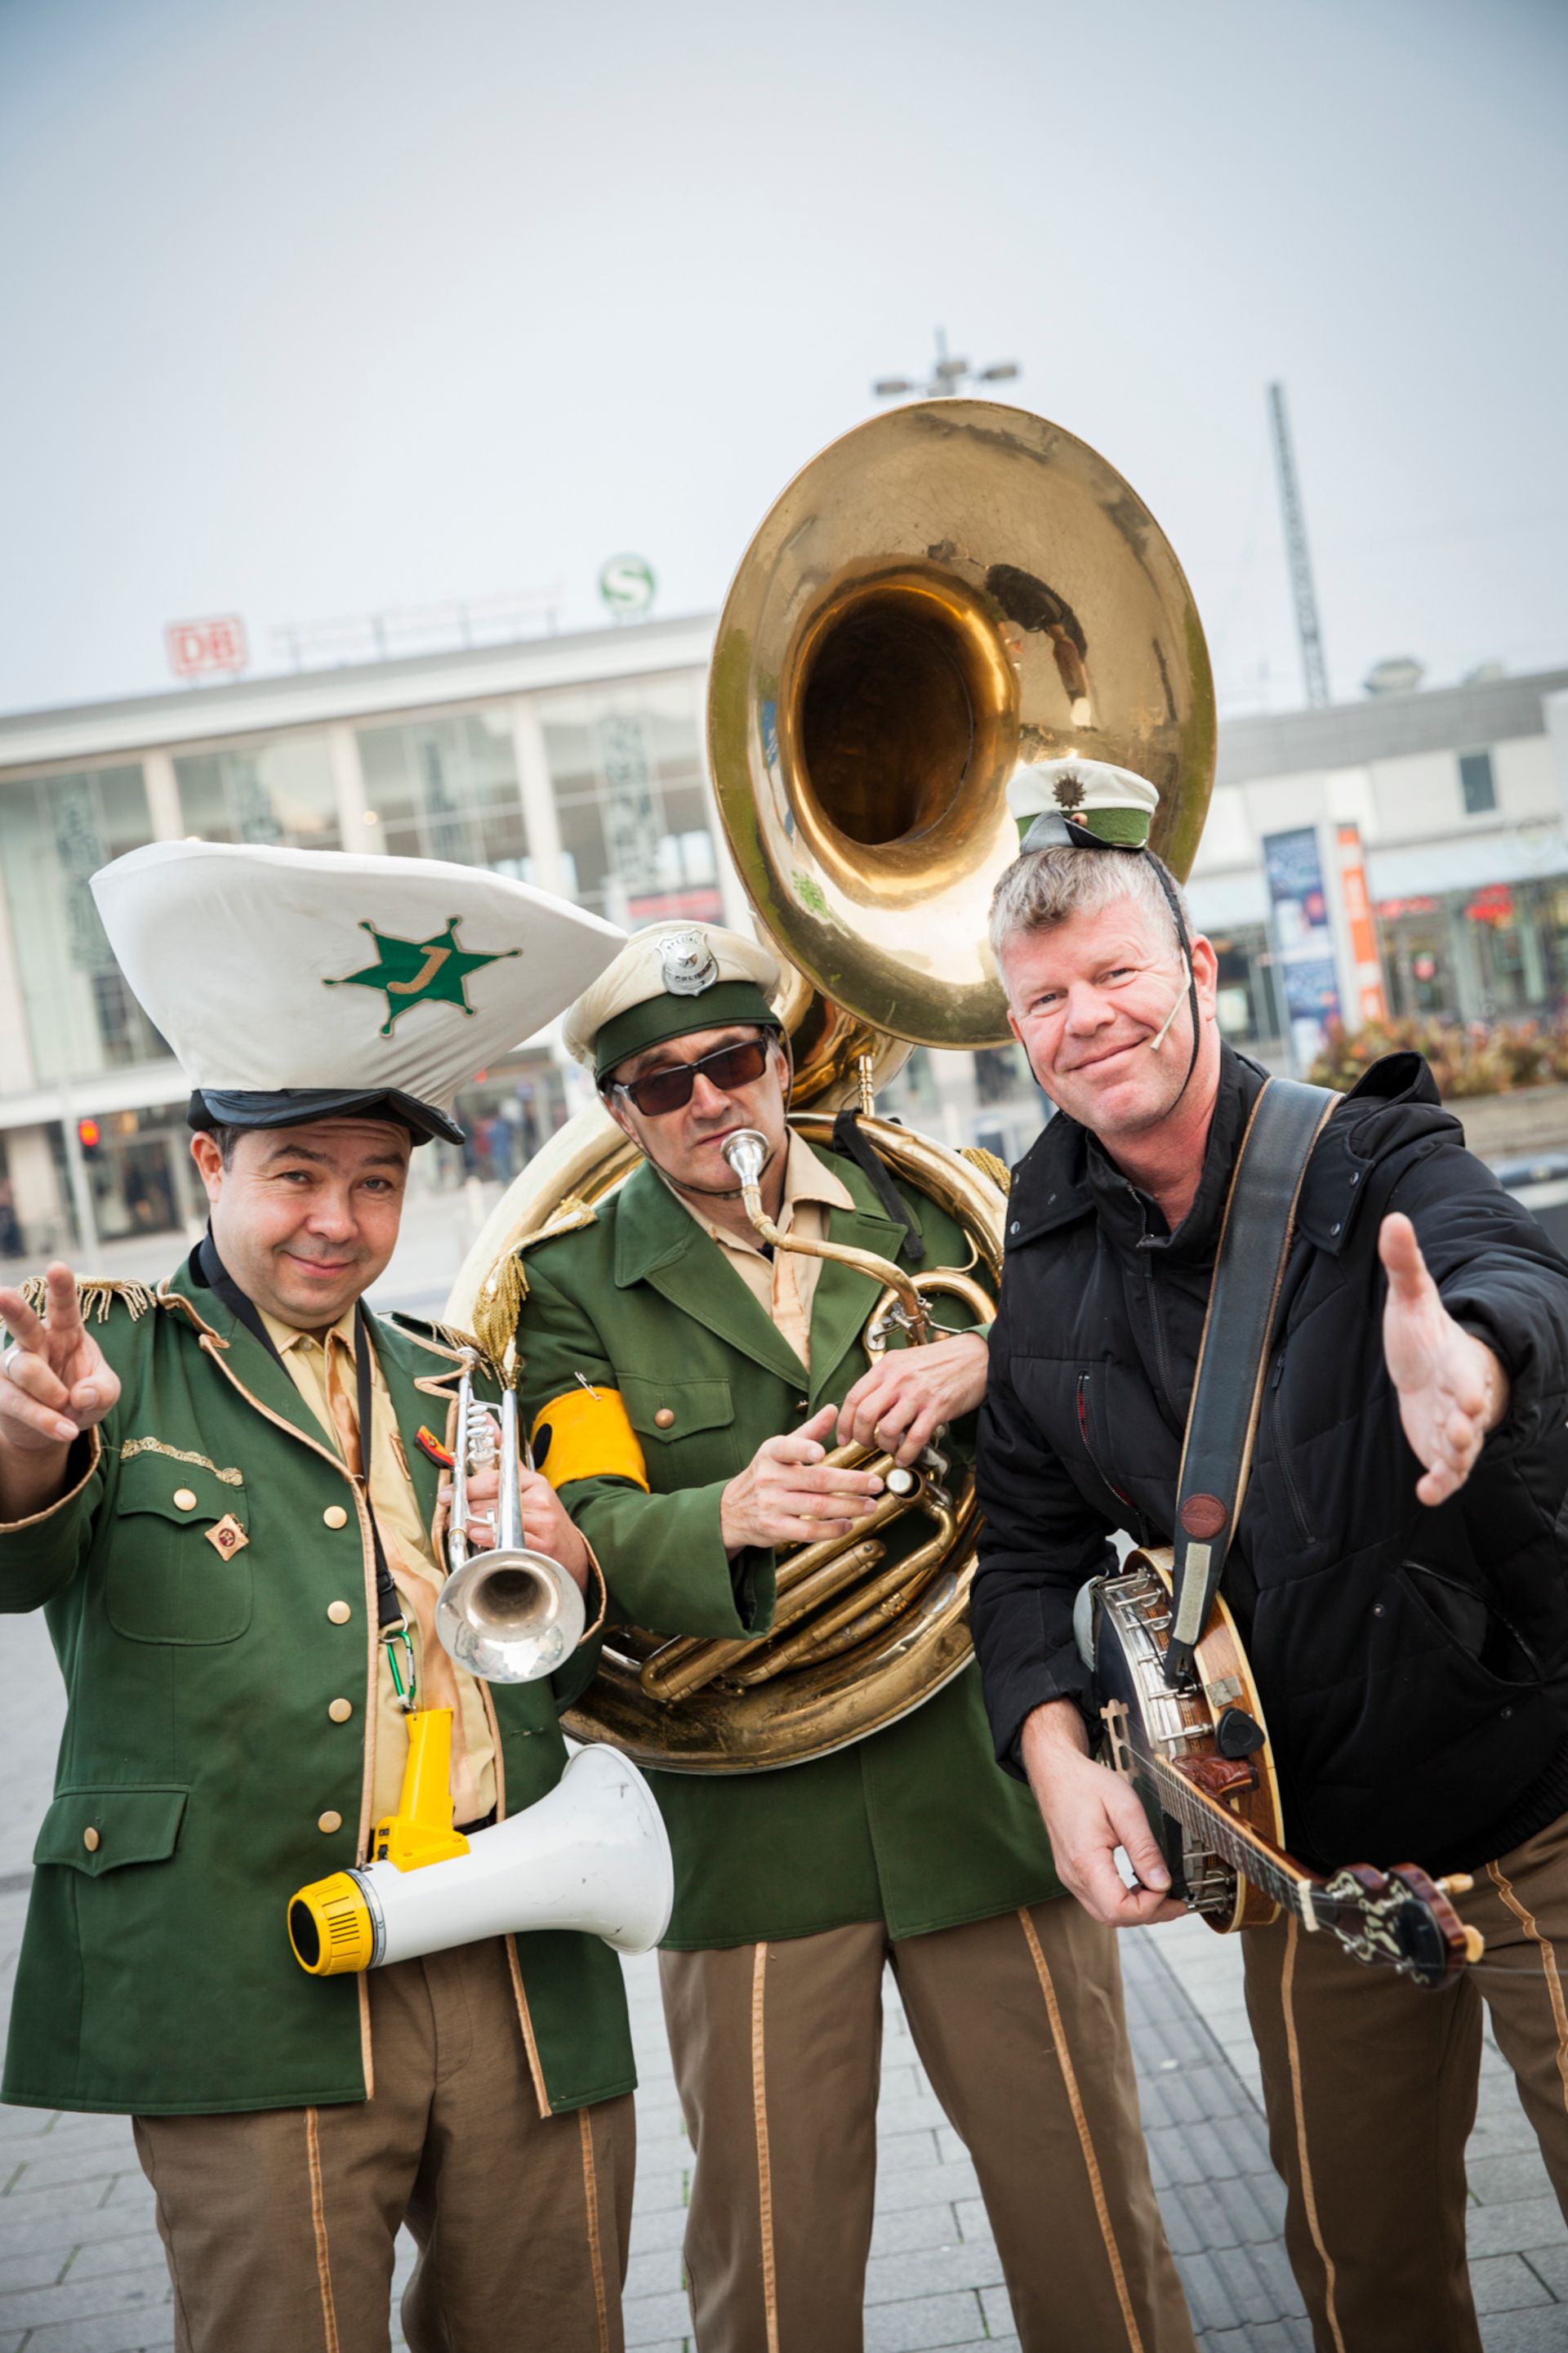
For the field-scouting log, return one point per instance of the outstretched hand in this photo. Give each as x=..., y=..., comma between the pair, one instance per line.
x=1452, y=1391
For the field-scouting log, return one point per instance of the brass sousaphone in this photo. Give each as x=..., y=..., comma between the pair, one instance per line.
x=951, y=591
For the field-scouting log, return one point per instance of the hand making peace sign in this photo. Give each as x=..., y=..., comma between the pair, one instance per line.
x=54, y=1381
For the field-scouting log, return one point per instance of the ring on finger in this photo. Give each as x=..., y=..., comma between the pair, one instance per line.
x=8, y=1360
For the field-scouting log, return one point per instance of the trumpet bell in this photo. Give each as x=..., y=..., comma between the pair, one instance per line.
x=510, y=1615
x=952, y=590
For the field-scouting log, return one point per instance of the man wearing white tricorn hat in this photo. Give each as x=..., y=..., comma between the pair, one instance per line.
x=229, y=1495
x=1356, y=1416
x=689, y=1380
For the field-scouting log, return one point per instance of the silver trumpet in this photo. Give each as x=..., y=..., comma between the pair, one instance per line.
x=509, y=1615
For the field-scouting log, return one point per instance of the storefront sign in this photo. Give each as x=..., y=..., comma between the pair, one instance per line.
x=208, y=649
x=1303, y=939
x=1371, y=998
x=1493, y=903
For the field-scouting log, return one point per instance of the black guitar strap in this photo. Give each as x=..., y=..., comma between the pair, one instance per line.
x=1227, y=1387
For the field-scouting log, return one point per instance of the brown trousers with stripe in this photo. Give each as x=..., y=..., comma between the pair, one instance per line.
x=1371, y=2091
x=1020, y=2023
x=280, y=2226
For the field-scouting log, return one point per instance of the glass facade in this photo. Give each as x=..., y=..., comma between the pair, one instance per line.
x=630, y=783
x=448, y=788
x=1245, y=1002
x=55, y=833
x=282, y=793
x=141, y=1174
x=1496, y=954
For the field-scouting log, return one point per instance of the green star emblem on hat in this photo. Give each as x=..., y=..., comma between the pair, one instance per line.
x=419, y=972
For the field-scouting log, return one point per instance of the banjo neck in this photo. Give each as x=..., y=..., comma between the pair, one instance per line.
x=1183, y=1794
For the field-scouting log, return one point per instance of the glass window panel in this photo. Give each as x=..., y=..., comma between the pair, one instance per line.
x=448, y=788
x=203, y=805
x=55, y=833
x=279, y=793
x=1477, y=783
x=626, y=768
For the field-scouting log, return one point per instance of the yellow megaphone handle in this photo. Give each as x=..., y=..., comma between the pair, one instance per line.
x=421, y=1830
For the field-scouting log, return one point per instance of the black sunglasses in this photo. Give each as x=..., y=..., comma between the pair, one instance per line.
x=726, y=1068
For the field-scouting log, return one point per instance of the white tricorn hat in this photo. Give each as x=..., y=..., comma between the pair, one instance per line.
x=668, y=981
x=305, y=984
x=1113, y=805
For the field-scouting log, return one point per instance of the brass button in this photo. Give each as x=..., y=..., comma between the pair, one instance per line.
x=91, y=1841
x=339, y=1612
x=329, y=1821
x=663, y=1418
x=334, y=1516
x=341, y=1710
x=184, y=1500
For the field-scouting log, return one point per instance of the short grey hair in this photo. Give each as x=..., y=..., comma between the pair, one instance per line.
x=1045, y=887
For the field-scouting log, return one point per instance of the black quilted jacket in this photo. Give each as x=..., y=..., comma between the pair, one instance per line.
x=1412, y=1663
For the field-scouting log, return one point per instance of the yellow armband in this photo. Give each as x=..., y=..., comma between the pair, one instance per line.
x=586, y=1434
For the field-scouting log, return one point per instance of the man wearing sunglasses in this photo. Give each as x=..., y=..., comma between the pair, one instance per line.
x=683, y=1384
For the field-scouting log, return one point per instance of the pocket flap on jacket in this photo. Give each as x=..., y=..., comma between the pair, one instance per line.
x=96, y=1831
x=672, y=1410
x=153, y=1479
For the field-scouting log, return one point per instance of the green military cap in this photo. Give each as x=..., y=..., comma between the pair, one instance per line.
x=666, y=982
x=1114, y=807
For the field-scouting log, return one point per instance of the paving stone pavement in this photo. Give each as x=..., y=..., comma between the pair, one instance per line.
x=82, y=2270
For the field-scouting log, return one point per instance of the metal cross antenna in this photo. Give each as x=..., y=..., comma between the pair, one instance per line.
x=947, y=376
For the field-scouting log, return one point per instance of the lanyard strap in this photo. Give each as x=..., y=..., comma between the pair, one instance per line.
x=1228, y=1386
x=208, y=1269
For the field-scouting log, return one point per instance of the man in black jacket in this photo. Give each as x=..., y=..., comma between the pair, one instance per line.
x=1397, y=1568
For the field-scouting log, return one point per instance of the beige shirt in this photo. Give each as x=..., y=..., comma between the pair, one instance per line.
x=416, y=1572
x=786, y=1287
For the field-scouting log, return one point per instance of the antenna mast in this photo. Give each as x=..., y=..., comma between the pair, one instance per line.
x=1313, y=670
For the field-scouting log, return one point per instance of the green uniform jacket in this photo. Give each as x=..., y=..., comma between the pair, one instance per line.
x=916, y=1826
x=155, y=1973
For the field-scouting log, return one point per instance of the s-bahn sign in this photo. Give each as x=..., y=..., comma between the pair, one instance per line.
x=626, y=587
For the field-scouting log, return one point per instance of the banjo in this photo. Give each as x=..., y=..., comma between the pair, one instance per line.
x=1196, y=1752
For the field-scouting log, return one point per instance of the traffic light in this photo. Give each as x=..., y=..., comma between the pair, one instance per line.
x=89, y=1135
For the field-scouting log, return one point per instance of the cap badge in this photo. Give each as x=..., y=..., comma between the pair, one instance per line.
x=1068, y=792
x=419, y=972
x=689, y=962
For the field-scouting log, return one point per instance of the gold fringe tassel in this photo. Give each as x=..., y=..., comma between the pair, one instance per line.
x=95, y=1298
x=498, y=1307
x=1001, y=1176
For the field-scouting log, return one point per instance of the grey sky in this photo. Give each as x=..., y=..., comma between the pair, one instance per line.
x=317, y=306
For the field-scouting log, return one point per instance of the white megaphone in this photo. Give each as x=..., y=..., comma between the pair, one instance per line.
x=592, y=1855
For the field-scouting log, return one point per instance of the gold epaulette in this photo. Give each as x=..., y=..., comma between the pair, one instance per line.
x=447, y=1339
x=1001, y=1176
x=568, y=1216
x=95, y=1297
x=451, y=1338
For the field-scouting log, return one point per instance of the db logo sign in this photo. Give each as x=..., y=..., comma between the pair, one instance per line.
x=201, y=649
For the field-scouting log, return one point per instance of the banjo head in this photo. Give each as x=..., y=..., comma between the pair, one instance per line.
x=1145, y=1719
